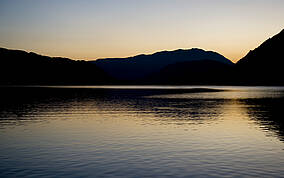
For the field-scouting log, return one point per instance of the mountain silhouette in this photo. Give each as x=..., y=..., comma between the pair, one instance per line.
x=22, y=68
x=263, y=65
x=141, y=66
x=199, y=72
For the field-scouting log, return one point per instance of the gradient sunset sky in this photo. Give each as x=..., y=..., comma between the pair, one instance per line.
x=91, y=29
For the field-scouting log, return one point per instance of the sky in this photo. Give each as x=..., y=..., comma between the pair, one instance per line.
x=92, y=29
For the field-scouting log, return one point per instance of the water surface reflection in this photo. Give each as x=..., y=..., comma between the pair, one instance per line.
x=74, y=132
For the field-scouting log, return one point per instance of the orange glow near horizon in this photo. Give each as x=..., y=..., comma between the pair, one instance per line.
x=105, y=29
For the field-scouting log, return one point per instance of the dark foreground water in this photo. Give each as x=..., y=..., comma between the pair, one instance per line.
x=145, y=132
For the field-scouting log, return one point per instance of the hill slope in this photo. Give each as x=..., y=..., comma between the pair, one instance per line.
x=264, y=65
x=20, y=67
x=138, y=67
x=194, y=72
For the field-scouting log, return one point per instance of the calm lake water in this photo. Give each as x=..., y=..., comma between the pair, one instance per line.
x=145, y=131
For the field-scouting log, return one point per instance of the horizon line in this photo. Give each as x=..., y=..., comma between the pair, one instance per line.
x=124, y=57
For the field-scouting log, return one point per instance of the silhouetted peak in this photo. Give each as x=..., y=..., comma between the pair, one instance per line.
x=264, y=65
x=270, y=50
x=132, y=68
x=178, y=51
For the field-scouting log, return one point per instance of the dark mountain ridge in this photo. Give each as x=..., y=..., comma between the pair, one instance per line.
x=203, y=72
x=263, y=65
x=141, y=66
x=21, y=68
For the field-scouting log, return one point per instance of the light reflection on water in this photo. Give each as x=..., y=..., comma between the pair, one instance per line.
x=154, y=132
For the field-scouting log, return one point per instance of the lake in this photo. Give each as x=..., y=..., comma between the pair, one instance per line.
x=141, y=131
